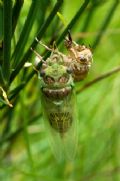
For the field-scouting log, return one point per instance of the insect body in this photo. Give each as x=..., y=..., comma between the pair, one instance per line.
x=58, y=101
x=58, y=74
x=81, y=59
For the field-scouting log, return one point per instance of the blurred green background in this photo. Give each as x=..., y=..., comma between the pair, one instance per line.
x=25, y=154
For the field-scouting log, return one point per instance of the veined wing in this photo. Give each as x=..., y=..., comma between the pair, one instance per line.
x=61, y=123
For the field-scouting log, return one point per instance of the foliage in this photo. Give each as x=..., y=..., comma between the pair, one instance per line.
x=25, y=153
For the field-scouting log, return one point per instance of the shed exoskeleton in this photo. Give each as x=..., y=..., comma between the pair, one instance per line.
x=80, y=58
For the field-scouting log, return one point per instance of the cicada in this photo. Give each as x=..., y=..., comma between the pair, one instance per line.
x=58, y=103
x=57, y=75
x=81, y=58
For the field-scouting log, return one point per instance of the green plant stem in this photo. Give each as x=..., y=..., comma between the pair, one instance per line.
x=39, y=36
x=1, y=33
x=16, y=12
x=7, y=19
x=99, y=78
x=105, y=23
x=2, y=82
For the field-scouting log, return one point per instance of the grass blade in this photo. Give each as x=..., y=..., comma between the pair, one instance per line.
x=7, y=12
x=25, y=33
x=16, y=12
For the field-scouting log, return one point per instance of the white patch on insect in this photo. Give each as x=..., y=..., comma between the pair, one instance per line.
x=63, y=90
x=50, y=91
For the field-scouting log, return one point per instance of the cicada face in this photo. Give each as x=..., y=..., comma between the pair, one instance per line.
x=81, y=59
x=56, y=80
x=59, y=111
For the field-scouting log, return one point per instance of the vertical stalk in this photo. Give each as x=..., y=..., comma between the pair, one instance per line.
x=1, y=78
x=16, y=12
x=7, y=29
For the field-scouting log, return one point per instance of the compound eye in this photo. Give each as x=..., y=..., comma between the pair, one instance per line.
x=49, y=80
x=82, y=59
x=63, y=79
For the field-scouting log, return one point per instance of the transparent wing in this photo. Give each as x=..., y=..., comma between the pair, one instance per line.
x=60, y=119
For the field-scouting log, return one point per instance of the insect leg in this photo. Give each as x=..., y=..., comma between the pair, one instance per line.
x=69, y=36
x=68, y=40
x=37, y=54
x=43, y=44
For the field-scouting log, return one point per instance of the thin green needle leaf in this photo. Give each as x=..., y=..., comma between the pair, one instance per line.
x=2, y=82
x=62, y=18
x=7, y=18
x=16, y=12
x=1, y=22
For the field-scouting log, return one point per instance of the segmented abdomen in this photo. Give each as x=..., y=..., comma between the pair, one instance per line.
x=60, y=121
x=57, y=108
x=57, y=94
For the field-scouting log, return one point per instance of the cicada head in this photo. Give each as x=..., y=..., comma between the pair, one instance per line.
x=81, y=58
x=56, y=79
